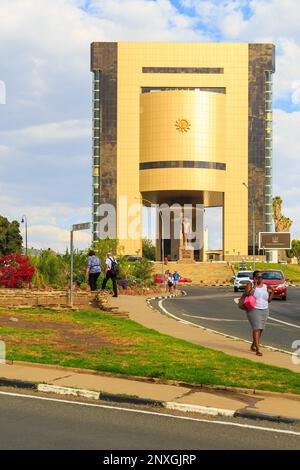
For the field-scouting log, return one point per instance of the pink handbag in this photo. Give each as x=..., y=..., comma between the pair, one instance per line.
x=250, y=302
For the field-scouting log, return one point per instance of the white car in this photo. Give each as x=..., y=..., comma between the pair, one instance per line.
x=241, y=280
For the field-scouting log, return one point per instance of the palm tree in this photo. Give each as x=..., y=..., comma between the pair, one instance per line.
x=282, y=223
x=277, y=213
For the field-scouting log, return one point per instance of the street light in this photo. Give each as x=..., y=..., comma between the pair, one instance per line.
x=162, y=234
x=253, y=224
x=24, y=220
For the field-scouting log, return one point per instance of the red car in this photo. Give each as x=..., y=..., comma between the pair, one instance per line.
x=158, y=279
x=275, y=278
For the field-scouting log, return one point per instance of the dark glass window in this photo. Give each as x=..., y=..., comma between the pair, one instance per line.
x=268, y=105
x=183, y=70
x=182, y=164
x=210, y=89
x=97, y=75
x=268, y=171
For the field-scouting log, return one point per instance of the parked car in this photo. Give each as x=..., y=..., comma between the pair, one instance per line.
x=242, y=278
x=275, y=278
x=185, y=279
x=133, y=258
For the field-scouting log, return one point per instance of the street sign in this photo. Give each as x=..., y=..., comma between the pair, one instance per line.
x=274, y=240
x=84, y=226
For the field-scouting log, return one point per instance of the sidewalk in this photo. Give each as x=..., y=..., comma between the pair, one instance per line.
x=140, y=312
x=207, y=401
x=222, y=401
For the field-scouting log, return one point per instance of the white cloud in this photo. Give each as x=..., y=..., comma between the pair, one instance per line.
x=70, y=129
x=56, y=238
x=45, y=150
x=45, y=153
x=286, y=164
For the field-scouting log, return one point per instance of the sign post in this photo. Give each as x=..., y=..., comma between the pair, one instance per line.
x=75, y=228
x=274, y=240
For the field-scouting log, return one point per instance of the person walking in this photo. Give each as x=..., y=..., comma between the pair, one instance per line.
x=93, y=270
x=111, y=272
x=258, y=316
x=176, y=279
x=170, y=282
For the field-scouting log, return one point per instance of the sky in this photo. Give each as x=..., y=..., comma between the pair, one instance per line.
x=45, y=96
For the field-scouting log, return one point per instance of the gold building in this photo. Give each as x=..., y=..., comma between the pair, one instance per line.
x=184, y=123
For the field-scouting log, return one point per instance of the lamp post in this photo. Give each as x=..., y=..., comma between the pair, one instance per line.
x=162, y=235
x=253, y=225
x=24, y=220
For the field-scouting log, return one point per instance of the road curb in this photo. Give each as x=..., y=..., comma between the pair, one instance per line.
x=225, y=335
x=128, y=399
x=119, y=398
x=168, y=296
x=266, y=417
x=18, y=384
x=204, y=410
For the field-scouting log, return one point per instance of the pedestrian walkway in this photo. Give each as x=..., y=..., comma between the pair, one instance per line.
x=226, y=401
x=207, y=401
x=140, y=312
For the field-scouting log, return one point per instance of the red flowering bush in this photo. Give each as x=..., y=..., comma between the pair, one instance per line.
x=15, y=271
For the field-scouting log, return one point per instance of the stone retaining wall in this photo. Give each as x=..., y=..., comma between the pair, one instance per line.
x=57, y=300
x=27, y=298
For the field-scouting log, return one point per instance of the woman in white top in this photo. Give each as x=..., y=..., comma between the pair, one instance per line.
x=258, y=316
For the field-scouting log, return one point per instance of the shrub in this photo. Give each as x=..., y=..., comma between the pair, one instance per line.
x=15, y=271
x=148, y=250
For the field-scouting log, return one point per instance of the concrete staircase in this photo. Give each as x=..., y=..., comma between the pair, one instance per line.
x=218, y=273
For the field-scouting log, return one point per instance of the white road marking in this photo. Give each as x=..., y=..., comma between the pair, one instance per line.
x=153, y=413
x=284, y=322
x=212, y=318
x=275, y=319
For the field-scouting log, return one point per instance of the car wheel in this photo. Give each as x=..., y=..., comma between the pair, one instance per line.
x=284, y=297
x=236, y=289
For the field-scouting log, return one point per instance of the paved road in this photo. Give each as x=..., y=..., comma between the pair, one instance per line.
x=31, y=423
x=215, y=308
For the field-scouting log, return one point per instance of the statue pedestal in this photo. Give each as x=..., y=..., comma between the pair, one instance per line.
x=186, y=255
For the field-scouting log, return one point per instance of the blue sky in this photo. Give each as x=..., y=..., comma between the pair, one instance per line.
x=45, y=125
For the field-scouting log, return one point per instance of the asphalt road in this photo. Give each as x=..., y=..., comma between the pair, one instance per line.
x=33, y=423
x=215, y=308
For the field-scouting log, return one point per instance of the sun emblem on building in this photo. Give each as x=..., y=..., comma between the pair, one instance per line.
x=182, y=125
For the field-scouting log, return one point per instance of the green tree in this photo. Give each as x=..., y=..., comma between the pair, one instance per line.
x=143, y=270
x=10, y=237
x=148, y=249
x=102, y=247
x=295, y=250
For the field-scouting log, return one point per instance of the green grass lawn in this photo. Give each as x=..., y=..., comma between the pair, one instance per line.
x=94, y=340
x=291, y=271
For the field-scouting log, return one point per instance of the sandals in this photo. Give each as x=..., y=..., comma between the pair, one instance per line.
x=253, y=348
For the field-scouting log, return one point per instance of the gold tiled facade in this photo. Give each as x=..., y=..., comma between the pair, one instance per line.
x=150, y=88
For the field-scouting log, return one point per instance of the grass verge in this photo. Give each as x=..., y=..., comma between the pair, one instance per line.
x=94, y=340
